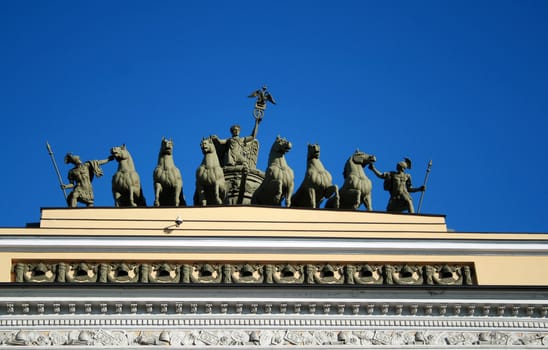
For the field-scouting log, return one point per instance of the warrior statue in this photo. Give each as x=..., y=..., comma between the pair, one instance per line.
x=80, y=178
x=398, y=183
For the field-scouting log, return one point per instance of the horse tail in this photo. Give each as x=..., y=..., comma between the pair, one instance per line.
x=141, y=201
x=182, y=201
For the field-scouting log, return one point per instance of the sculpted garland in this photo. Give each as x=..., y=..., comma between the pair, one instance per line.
x=256, y=272
x=228, y=175
x=274, y=338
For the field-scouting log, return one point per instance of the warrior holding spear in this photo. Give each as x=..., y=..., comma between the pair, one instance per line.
x=79, y=177
x=398, y=183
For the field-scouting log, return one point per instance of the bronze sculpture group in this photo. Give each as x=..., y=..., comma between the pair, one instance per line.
x=228, y=175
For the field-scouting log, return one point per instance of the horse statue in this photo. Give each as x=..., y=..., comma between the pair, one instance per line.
x=356, y=189
x=317, y=183
x=126, y=184
x=168, y=182
x=278, y=183
x=210, y=179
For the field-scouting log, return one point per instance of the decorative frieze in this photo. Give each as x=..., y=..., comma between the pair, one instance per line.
x=239, y=338
x=290, y=317
x=247, y=273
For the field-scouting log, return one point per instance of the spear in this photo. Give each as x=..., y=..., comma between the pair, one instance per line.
x=50, y=151
x=424, y=184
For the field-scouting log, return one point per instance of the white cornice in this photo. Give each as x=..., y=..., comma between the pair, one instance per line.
x=260, y=245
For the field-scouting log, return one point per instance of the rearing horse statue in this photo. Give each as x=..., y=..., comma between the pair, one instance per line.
x=126, y=184
x=210, y=179
x=168, y=182
x=356, y=189
x=317, y=183
x=278, y=183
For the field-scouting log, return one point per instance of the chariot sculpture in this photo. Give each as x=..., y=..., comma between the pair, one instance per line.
x=228, y=175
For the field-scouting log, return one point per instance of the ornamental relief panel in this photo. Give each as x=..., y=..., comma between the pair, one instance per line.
x=446, y=274
x=272, y=338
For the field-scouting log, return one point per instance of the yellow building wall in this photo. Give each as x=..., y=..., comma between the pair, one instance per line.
x=490, y=269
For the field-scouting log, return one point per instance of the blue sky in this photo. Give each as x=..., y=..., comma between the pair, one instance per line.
x=462, y=83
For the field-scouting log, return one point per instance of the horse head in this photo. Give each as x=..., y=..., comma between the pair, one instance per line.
x=119, y=152
x=166, y=146
x=281, y=145
x=362, y=158
x=358, y=159
x=207, y=145
x=313, y=151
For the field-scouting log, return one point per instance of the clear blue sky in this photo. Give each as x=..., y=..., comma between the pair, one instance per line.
x=464, y=83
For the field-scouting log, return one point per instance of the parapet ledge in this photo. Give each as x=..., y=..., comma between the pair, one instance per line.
x=238, y=219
